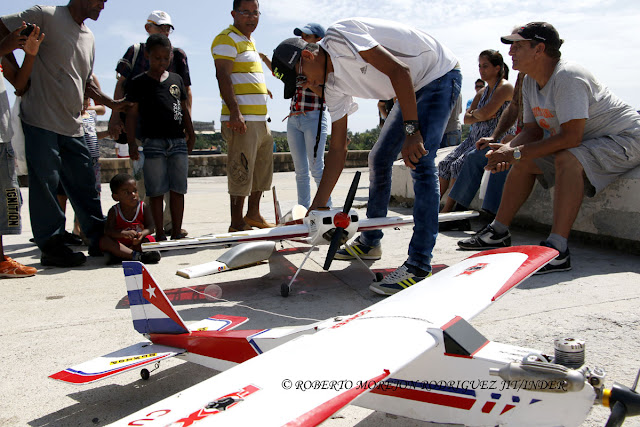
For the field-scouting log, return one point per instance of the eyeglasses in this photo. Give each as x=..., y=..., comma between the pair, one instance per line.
x=247, y=13
x=165, y=27
x=300, y=78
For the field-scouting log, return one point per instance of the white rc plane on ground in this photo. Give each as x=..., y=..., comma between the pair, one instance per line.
x=321, y=227
x=413, y=354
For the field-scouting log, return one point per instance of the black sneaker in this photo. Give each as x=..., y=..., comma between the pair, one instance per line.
x=487, y=238
x=113, y=259
x=56, y=254
x=71, y=239
x=561, y=263
x=151, y=257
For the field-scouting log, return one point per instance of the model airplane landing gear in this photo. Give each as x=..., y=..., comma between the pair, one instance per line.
x=145, y=373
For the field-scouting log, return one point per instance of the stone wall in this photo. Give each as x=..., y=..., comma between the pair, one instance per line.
x=216, y=164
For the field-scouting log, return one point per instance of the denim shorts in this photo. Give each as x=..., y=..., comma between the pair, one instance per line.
x=11, y=200
x=166, y=166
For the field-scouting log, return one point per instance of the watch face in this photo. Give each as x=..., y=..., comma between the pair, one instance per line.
x=517, y=154
x=410, y=128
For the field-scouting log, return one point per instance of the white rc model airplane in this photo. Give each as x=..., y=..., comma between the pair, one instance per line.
x=413, y=354
x=320, y=227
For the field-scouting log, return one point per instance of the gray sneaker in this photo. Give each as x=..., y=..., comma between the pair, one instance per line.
x=397, y=280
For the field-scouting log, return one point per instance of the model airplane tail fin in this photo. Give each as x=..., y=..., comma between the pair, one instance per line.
x=150, y=308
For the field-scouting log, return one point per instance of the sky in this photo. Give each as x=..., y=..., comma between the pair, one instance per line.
x=602, y=35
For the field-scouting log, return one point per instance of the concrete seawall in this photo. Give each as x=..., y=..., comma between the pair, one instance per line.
x=611, y=218
x=216, y=164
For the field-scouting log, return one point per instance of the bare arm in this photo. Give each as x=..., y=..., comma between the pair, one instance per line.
x=224, y=68
x=115, y=122
x=266, y=60
x=400, y=76
x=502, y=94
x=189, y=102
x=93, y=91
x=188, y=127
x=130, y=126
x=334, y=163
x=533, y=147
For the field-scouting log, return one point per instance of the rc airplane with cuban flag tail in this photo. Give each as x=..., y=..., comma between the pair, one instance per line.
x=414, y=354
x=332, y=227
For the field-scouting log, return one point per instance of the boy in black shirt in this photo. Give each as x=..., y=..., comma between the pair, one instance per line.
x=159, y=99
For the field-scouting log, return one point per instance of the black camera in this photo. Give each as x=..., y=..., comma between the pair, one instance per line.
x=28, y=30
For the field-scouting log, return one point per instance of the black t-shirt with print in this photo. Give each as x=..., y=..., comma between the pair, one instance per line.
x=159, y=105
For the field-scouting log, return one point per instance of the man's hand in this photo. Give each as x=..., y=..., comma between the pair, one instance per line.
x=236, y=122
x=413, y=150
x=133, y=151
x=13, y=41
x=121, y=105
x=483, y=143
x=129, y=234
x=32, y=44
x=500, y=157
x=116, y=126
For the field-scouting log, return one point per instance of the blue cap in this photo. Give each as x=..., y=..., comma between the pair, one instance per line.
x=311, y=28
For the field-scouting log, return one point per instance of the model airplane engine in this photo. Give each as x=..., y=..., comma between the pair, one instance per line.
x=323, y=223
x=563, y=373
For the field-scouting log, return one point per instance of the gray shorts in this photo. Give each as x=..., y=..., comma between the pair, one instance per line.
x=603, y=159
x=11, y=199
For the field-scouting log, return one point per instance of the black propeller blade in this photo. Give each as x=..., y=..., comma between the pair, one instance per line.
x=339, y=232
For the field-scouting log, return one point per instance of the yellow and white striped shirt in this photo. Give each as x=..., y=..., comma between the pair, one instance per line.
x=247, y=77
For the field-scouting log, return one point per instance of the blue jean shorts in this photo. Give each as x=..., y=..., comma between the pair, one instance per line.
x=11, y=200
x=166, y=166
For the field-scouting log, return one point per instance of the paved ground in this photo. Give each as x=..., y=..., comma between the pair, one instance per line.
x=62, y=317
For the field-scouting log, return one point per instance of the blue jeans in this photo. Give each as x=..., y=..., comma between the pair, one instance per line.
x=53, y=158
x=435, y=102
x=301, y=137
x=166, y=166
x=468, y=182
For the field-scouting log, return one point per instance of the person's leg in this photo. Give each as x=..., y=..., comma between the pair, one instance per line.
x=111, y=245
x=568, y=194
x=262, y=174
x=79, y=180
x=492, y=196
x=468, y=182
x=43, y=163
x=517, y=189
x=156, y=179
x=239, y=178
x=237, y=217
x=297, y=148
x=435, y=102
x=310, y=128
x=177, y=171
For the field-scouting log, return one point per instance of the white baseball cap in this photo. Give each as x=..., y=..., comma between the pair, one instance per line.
x=159, y=17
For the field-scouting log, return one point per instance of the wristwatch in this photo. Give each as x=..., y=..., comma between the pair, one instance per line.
x=411, y=127
x=517, y=155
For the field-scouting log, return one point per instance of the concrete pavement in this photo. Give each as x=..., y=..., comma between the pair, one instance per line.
x=62, y=317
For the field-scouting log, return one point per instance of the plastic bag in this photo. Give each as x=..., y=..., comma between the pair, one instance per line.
x=138, y=166
x=483, y=184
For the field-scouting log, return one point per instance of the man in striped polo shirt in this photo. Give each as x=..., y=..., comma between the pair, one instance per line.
x=244, y=115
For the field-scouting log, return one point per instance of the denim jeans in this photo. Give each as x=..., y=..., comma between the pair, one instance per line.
x=435, y=102
x=301, y=137
x=166, y=166
x=53, y=158
x=468, y=182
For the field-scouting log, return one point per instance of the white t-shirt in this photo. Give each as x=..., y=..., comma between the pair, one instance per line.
x=573, y=93
x=427, y=59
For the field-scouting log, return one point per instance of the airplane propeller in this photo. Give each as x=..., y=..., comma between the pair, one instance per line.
x=623, y=401
x=341, y=221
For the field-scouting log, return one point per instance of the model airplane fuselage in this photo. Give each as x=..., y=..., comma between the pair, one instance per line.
x=412, y=354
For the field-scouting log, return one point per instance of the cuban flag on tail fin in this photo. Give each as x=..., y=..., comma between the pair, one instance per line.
x=150, y=308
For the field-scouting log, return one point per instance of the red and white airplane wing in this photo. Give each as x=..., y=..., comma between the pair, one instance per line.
x=305, y=381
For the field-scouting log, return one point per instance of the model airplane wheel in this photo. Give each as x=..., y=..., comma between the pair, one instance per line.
x=145, y=374
x=379, y=277
x=284, y=290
